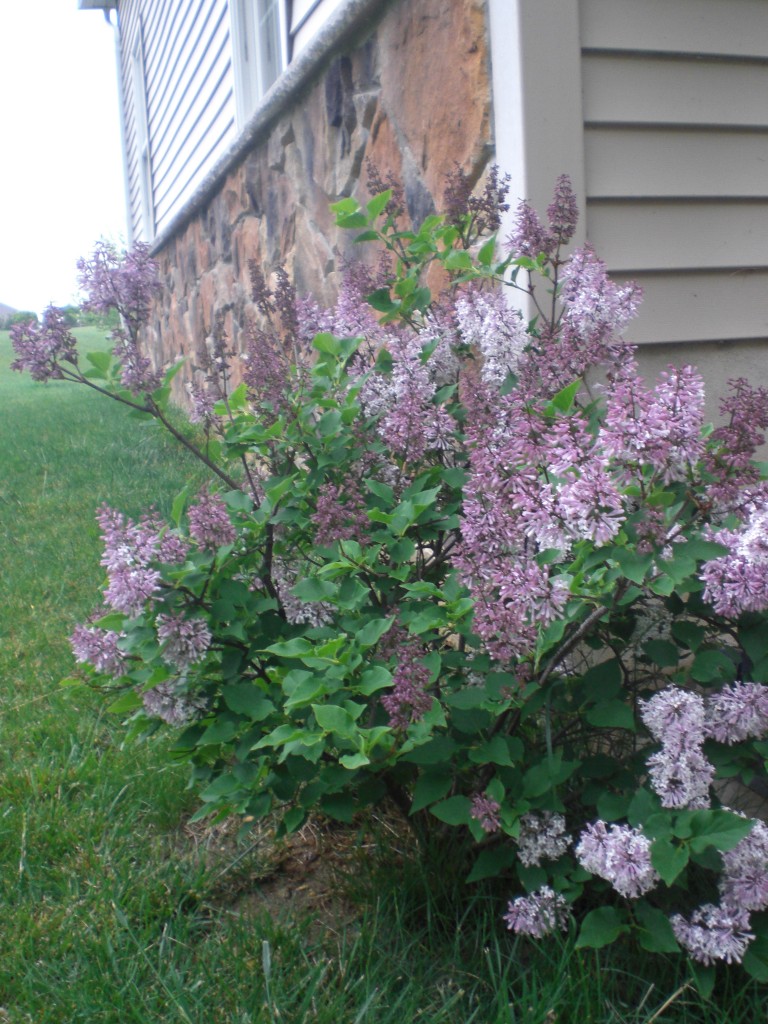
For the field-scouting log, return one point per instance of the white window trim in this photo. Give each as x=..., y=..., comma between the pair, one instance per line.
x=248, y=54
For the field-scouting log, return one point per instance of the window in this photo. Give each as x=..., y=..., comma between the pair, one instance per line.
x=143, y=155
x=260, y=50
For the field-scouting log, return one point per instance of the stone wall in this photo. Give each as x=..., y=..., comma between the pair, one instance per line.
x=411, y=92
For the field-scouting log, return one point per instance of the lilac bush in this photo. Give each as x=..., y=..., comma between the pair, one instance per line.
x=470, y=564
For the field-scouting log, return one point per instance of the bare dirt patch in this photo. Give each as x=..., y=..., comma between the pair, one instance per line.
x=310, y=875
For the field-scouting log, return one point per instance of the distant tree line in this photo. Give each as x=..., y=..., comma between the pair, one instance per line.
x=74, y=316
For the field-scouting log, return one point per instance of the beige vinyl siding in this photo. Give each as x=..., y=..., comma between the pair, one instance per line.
x=187, y=56
x=675, y=101
x=735, y=28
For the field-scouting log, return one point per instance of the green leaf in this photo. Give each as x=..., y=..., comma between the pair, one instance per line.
x=689, y=634
x=711, y=666
x=100, y=361
x=437, y=750
x=373, y=631
x=430, y=787
x=703, y=550
x=453, y=811
x=611, y=714
x=128, y=701
x=221, y=730
x=344, y=206
x=332, y=718
x=655, y=933
x=376, y=205
x=247, y=699
x=171, y=372
x=612, y=806
x=373, y=679
x=602, y=681
x=313, y=589
x=338, y=805
x=289, y=648
x=703, y=978
x=486, y=253
x=381, y=301
x=717, y=828
x=662, y=653
x=668, y=859
x=633, y=565
x=293, y=819
x=491, y=862
x=563, y=400
x=179, y=504
x=755, y=960
x=496, y=751
x=113, y=620
x=600, y=928
x=353, y=761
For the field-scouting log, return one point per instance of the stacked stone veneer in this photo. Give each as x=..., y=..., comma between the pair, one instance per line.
x=410, y=91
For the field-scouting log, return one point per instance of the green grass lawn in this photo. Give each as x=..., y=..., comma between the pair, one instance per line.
x=115, y=911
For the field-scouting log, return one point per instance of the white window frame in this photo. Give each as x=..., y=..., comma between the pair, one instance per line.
x=250, y=51
x=143, y=152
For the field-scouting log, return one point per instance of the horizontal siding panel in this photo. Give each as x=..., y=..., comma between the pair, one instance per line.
x=669, y=91
x=737, y=28
x=633, y=237
x=185, y=193
x=636, y=163
x=188, y=126
x=701, y=307
x=190, y=97
x=192, y=161
x=198, y=52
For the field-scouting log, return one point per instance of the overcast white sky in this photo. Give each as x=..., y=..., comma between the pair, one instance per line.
x=61, y=184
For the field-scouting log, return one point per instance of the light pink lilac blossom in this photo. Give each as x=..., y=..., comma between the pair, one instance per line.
x=185, y=641
x=542, y=837
x=485, y=810
x=539, y=914
x=713, y=933
x=619, y=854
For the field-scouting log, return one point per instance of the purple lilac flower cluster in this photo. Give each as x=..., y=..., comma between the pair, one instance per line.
x=100, y=648
x=209, y=523
x=130, y=549
x=409, y=699
x=40, y=349
x=485, y=810
x=539, y=914
x=542, y=837
x=680, y=773
x=340, y=513
x=713, y=933
x=126, y=282
x=661, y=427
x=529, y=237
x=185, y=641
x=487, y=323
x=680, y=721
x=738, y=712
x=738, y=581
x=411, y=424
x=619, y=854
x=721, y=931
x=171, y=704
